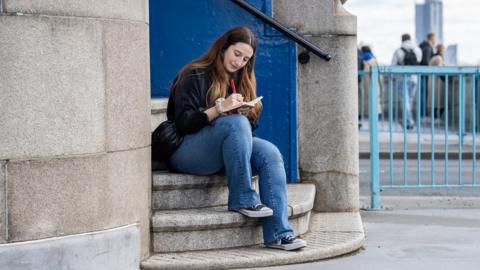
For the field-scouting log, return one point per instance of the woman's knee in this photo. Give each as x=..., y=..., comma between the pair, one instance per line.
x=267, y=152
x=234, y=123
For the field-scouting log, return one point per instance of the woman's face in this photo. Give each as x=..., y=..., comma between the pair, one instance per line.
x=237, y=56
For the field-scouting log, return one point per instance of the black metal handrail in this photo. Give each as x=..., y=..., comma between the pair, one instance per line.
x=290, y=34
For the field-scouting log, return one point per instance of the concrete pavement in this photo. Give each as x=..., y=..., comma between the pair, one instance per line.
x=418, y=238
x=418, y=228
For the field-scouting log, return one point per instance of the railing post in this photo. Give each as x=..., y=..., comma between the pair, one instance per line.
x=374, y=155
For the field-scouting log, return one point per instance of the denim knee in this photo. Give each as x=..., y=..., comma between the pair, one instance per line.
x=236, y=123
x=268, y=153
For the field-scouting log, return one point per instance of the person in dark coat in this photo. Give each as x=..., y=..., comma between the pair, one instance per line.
x=427, y=47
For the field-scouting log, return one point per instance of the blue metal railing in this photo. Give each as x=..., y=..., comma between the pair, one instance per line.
x=413, y=106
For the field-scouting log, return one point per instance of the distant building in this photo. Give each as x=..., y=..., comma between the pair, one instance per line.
x=429, y=18
x=451, y=55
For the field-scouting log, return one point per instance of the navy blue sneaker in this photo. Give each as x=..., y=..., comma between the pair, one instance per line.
x=288, y=243
x=257, y=211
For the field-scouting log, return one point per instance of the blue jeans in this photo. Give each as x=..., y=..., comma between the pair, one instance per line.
x=408, y=94
x=228, y=144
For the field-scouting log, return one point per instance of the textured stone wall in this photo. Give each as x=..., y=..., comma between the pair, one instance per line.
x=3, y=208
x=327, y=101
x=74, y=119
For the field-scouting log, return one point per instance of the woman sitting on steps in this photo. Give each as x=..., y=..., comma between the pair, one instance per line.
x=215, y=140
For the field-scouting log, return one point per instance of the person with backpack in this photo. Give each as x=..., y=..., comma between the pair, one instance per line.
x=409, y=54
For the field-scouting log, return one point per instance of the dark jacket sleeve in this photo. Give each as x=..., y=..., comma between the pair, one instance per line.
x=188, y=99
x=427, y=53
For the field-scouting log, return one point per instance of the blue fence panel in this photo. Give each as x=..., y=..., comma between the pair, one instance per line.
x=452, y=119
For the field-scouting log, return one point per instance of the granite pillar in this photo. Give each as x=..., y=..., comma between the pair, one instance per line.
x=327, y=101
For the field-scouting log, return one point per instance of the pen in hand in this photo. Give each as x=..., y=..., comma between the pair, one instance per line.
x=232, y=85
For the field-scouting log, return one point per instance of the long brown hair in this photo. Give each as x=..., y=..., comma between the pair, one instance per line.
x=213, y=61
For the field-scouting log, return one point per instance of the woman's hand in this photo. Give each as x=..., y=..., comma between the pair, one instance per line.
x=215, y=112
x=232, y=100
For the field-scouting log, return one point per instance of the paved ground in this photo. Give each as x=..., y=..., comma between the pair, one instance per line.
x=418, y=238
x=422, y=228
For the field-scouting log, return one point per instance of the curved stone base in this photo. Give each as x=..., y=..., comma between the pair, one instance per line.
x=113, y=249
x=331, y=235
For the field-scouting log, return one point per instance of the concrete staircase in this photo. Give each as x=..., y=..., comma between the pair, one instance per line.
x=192, y=228
x=196, y=216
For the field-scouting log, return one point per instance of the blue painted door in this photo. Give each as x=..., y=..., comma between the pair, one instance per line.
x=182, y=30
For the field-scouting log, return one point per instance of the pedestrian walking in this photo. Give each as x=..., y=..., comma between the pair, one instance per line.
x=427, y=47
x=370, y=60
x=438, y=60
x=408, y=54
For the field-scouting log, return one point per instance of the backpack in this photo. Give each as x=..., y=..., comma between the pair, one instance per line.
x=410, y=58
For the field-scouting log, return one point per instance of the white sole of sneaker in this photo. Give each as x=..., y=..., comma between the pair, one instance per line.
x=293, y=246
x=256, y=214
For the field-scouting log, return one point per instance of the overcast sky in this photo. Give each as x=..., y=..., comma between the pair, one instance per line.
x=382, y=22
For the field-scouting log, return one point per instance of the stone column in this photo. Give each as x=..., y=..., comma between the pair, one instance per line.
x=327, y=101
x=74, y=134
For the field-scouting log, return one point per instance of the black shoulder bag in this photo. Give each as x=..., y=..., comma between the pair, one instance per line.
x=165, y=140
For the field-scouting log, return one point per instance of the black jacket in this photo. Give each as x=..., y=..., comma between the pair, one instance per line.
x=186, y=105
x=427, y=53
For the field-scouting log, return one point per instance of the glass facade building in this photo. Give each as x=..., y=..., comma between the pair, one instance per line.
x=429, y=18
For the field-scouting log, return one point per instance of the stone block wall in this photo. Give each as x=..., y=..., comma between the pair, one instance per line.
x=74, y=126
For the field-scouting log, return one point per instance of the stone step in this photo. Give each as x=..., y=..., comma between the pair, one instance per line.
x=184, y=191
x=158, y=111
x=216, y=227
x=330, y=235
